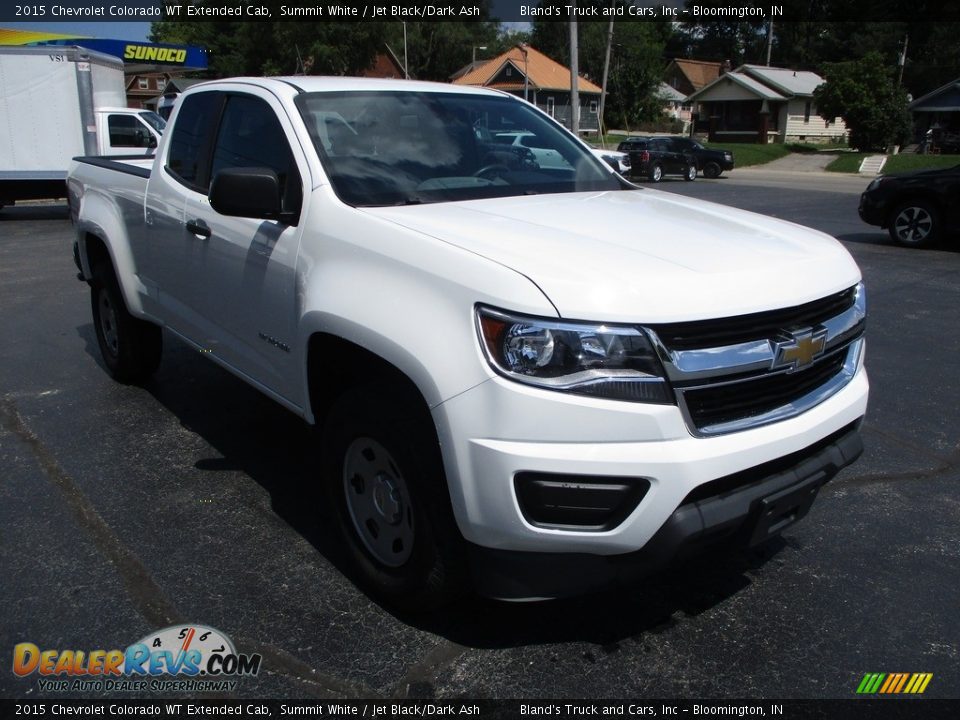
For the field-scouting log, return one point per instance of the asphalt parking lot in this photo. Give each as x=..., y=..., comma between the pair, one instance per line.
x=124, y=510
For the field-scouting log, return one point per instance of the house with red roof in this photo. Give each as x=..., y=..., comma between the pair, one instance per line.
x=527, y=72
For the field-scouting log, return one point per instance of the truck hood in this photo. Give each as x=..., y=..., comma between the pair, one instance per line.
x=643, y=255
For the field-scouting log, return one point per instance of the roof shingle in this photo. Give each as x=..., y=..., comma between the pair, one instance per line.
x=543, y=72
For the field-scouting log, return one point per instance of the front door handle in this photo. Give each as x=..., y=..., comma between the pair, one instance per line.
x=199, y=228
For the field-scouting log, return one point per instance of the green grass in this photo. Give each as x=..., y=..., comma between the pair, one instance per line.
x=847, y=162
x=745, y=154
x=905, y=163
x=850, y=162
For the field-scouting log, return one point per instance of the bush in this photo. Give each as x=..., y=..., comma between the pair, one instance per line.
x=663, y=125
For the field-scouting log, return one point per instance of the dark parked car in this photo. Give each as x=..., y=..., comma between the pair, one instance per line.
x=710, y=163
x=654, y=157
x=917, y=208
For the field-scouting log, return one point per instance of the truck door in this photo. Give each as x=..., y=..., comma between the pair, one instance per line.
x=243, y=278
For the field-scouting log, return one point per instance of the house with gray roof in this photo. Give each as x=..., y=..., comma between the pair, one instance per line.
x=762, y=104
x=939, y=113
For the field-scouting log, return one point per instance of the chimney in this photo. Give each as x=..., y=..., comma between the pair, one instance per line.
x=724, y=67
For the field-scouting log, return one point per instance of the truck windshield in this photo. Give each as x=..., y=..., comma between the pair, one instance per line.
x=154, y=120
x=399, y=148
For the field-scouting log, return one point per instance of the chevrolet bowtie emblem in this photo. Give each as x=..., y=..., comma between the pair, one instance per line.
x=800, y=350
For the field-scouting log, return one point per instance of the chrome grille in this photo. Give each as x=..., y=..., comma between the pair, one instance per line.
x=725, y=373
x=756, y=326
x=719, y=404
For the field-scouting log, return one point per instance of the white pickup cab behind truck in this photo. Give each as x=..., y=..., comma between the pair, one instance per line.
x=540, y=380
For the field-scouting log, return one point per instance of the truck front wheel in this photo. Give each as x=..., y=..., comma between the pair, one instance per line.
x=385, y=482
x=131, y=348
x=711, y=170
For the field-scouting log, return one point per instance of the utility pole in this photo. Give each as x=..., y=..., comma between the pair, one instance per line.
x=606, y=73
x=406, y=71
x=903, y=58
x=769, y=41
x=574, y=74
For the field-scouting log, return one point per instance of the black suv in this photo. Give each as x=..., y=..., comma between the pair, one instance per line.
x=655, y=157
x=711, y=163
x=917, y=208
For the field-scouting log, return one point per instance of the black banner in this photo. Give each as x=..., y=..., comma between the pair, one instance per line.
x=502, y=10
x=854, y=709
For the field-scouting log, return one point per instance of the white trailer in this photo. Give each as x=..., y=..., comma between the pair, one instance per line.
x=53, y=105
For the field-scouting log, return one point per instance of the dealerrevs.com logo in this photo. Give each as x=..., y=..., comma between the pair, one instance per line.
x=176, y=659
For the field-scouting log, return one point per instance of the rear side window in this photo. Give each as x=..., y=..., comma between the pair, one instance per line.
x=187, y=159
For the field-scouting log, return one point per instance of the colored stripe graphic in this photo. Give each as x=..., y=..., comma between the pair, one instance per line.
x=894, y=683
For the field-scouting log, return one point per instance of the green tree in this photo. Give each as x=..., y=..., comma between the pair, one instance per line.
x=866, y=95
x=278, y=48
x=436, y=50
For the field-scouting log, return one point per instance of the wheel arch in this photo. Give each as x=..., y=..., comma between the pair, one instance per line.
x=107, y=241
x=335, y=365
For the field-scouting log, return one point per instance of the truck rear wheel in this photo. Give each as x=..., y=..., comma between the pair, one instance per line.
x=384, y=480
x=131, y=348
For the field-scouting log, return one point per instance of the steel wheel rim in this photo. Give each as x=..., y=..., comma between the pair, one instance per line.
x=108, y=322
x=913, y=224
x=692, y=172
x=378, y=502
x=657, y=174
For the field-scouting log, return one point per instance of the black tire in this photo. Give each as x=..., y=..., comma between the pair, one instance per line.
x=712, y=170
x=915, y=223
x=690, y=173
x=131, y=348
x=655, y=173
x=393, y=511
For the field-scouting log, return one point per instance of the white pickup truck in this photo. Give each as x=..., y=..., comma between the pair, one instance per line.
x=540, y=380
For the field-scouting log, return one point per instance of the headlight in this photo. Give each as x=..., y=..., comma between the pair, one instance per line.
x=616, y=362
x=874, y=184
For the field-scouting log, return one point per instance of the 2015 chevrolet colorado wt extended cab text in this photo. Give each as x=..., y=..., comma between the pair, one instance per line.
x=540, y=379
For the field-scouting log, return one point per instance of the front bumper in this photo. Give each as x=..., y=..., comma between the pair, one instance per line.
x=766, y=500
x=500, y=429
x=871, y=211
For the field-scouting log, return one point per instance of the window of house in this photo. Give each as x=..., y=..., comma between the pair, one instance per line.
x=807, y=107
x=550, y=107
x=143, y=83
x=509, y=71
x=593, y=107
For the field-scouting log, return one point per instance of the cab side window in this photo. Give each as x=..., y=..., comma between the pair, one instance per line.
x=251, y=136
x=123, y=130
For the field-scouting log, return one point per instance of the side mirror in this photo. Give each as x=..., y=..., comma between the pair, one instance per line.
x=246, y=192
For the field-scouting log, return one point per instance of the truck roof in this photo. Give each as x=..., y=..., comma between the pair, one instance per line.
x=323, y=83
